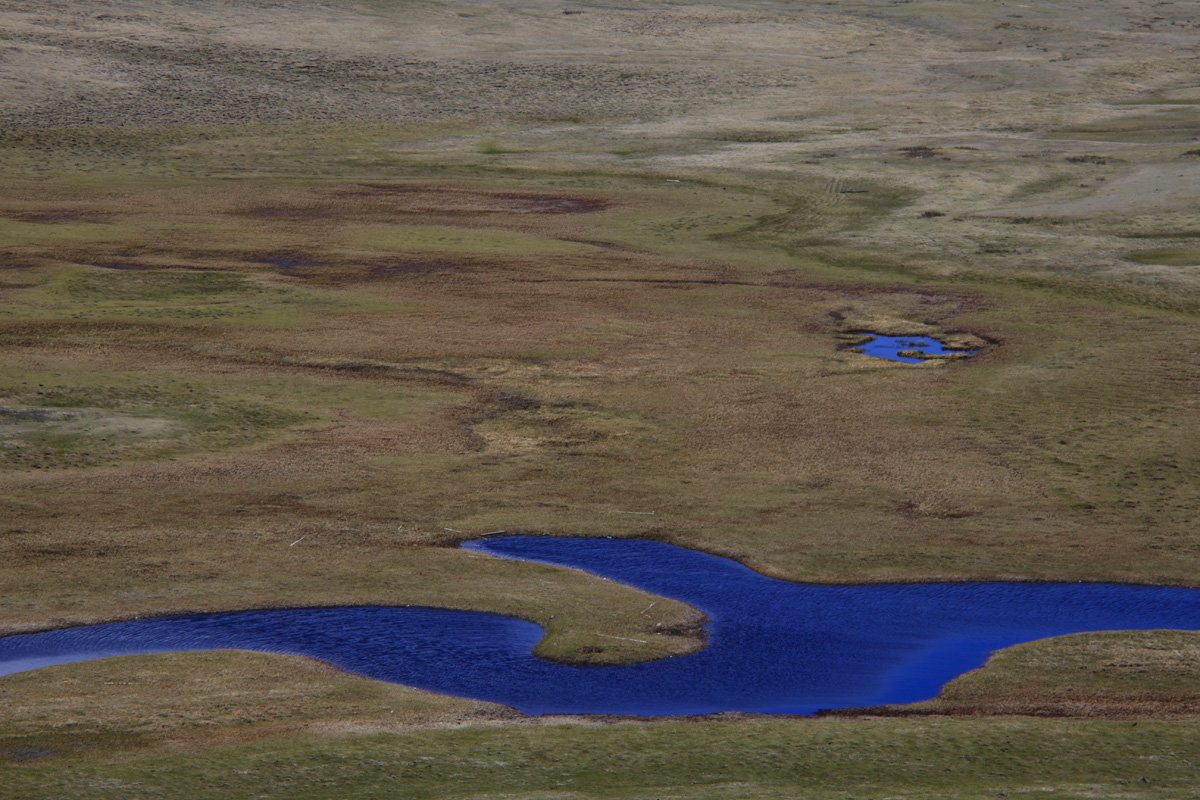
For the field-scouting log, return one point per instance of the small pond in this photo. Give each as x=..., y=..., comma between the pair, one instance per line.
x=906, y=349
x=773, y=646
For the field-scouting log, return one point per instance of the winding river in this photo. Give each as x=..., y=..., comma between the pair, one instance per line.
x=773, y=646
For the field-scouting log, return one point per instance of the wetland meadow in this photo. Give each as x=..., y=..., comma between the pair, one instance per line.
x=297, y=297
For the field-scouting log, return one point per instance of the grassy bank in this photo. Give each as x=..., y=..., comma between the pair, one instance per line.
x=702, y=758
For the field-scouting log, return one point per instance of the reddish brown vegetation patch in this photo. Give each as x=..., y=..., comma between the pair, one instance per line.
x=57, y=215
x=123, y=266
x=299, y=213
x=424, y=199
x=332, y=271
x=1101, y=708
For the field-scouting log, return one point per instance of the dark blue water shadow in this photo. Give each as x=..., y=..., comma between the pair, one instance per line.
x=773, y=646
x=891, y=347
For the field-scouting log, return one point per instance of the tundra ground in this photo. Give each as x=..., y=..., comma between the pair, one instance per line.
x=295, y=296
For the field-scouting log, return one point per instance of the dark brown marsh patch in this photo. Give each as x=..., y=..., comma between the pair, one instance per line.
x=344, y=201
x=553, y=204
x=124, y=257
x=285, y=213
x=11, y=261
x=921, y=151
x=425, y=199
x=332, y=271
x=387, y=268
x=53, y=215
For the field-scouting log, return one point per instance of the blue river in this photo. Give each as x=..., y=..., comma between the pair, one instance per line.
x=772, y=646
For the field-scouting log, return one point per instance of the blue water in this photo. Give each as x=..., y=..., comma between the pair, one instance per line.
x=891, y=347
x=773, y=646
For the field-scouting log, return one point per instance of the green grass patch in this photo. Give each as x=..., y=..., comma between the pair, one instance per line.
x=728, y=760
x=155, y=285
x=167, y=295
x=1168, y=256
x=490, y=147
